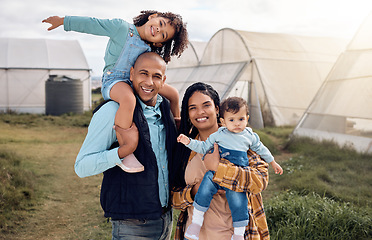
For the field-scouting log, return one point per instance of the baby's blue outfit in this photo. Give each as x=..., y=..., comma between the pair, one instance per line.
x=123, y=48
x=233, y=147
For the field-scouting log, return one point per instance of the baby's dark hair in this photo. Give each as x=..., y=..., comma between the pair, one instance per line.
x=177, y=44
x=233, y=105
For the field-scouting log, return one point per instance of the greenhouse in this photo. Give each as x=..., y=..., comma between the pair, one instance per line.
x=341, y=110
x=278, y=74
x=180, y=69
x=26, y=65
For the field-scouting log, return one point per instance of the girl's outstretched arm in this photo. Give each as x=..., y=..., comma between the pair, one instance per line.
x=55, y=21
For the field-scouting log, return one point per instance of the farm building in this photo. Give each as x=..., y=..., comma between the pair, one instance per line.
x=278, y=74
x=341, y=110
x=26, y=65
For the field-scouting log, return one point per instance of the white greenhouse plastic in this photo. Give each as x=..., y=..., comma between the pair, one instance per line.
x=341, y=111
x=278, y=74
x=25, y=65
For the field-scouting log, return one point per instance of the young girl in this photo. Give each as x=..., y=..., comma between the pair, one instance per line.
x=163, y=33
x=234, y=140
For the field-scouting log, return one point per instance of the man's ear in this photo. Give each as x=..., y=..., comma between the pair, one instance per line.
x=157, y=44
x=131, y=74
x=164, y=78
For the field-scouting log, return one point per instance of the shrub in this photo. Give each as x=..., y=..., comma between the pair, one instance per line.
x=40, y=120
x=16, y=187
x=291, y=215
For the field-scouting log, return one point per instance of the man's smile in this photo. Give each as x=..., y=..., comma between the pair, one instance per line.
x=147, y=90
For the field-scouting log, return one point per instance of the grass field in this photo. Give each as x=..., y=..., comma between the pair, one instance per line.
x=324, y=193
x=59, y=204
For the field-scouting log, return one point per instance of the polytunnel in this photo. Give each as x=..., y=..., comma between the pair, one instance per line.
x=341, y=110
x=26, y=65
x=180, y=69
x=278, y=74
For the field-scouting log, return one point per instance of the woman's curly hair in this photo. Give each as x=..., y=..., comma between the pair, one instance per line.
x=177, y=44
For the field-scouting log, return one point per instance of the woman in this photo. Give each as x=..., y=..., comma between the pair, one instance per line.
x=199, y=119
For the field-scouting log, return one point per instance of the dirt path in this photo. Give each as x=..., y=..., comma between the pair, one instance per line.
x=69, y=207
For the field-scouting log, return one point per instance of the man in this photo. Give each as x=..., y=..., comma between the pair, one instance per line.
x=137, y=203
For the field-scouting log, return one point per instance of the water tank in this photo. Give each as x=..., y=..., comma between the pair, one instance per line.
x=63, y=95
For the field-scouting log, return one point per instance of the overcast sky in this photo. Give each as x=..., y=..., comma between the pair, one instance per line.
x=336, y=18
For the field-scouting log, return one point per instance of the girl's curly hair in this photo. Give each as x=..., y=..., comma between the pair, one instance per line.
x=177, y=44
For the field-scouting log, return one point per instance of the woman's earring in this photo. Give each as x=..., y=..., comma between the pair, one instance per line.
x=192, y=127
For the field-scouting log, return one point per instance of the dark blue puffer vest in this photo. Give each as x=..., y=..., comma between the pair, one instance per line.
x=136, y=195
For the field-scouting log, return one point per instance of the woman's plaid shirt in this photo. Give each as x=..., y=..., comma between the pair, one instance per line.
x=252, y=179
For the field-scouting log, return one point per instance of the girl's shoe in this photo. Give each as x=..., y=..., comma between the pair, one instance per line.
x=130, y=164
